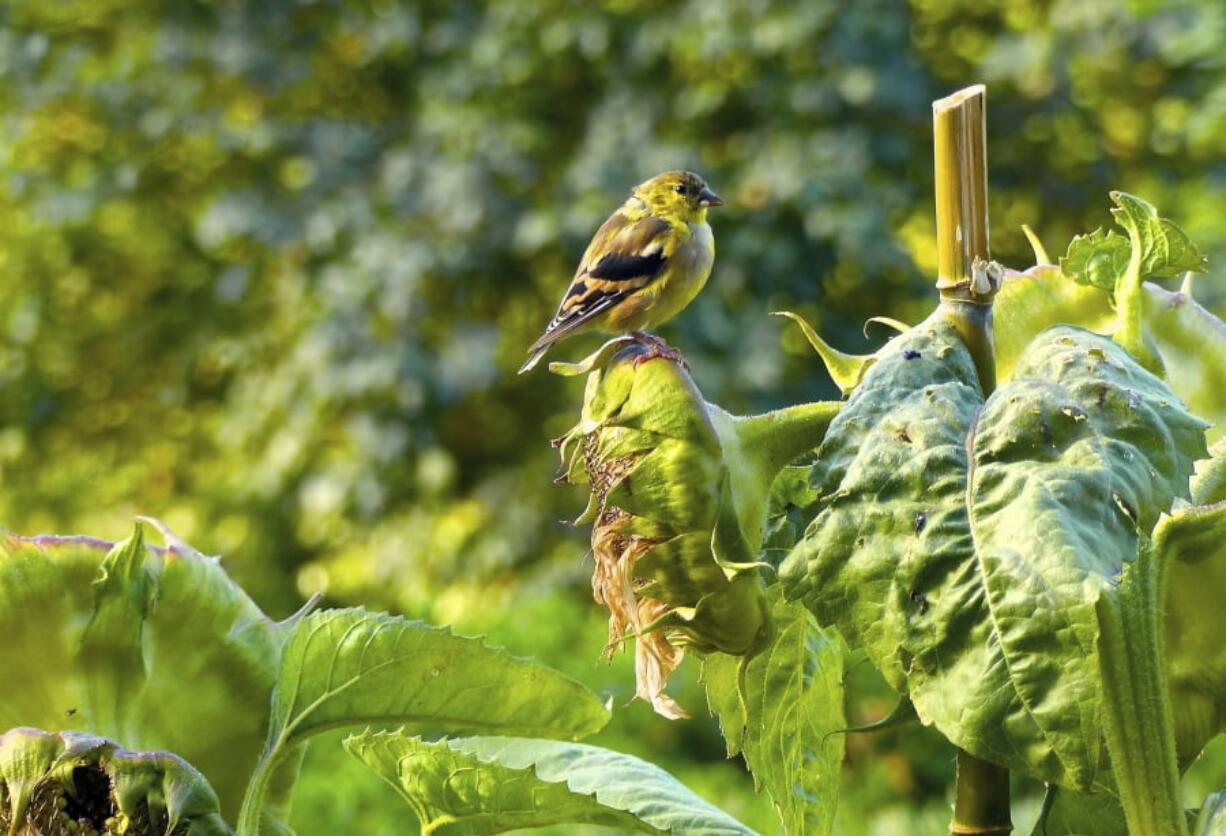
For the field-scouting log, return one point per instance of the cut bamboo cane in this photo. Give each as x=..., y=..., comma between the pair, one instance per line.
x=966, y=278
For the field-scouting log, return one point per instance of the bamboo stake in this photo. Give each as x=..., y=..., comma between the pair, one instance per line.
x=959, y=125
x=966, y=277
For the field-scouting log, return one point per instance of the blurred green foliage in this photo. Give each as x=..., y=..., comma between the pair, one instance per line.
x=267, y=269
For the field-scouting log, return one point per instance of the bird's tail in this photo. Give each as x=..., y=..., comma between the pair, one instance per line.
x=534, y=358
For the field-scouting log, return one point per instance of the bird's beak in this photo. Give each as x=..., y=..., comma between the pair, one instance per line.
x=709, y=198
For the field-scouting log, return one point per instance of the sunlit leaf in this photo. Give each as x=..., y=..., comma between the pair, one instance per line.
x=351, y=667
x=1192, y=541
x=1212, y=818
x=491, y=785
x=158, y=649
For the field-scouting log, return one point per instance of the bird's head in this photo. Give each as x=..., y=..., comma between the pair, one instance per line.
x=678, y=196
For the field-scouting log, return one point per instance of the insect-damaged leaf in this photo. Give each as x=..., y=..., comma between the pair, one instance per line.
x=964, y=543
x=491, y=784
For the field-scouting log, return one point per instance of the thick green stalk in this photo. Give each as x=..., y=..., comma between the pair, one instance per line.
x=973, y=320
x=1136, y=705
x=981, y=805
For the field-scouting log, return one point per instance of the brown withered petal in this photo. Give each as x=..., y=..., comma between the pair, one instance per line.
x=613, y=585
x=655, y=659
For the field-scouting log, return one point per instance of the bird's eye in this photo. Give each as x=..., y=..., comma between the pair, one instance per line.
x=681, y=188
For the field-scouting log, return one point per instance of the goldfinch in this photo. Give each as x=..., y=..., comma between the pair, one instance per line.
x=644, y=265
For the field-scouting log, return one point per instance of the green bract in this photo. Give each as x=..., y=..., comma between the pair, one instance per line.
x=964, y=543
x=73, y=782
x=678, y=501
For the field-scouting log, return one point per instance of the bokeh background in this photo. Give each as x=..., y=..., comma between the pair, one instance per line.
x=267, y=270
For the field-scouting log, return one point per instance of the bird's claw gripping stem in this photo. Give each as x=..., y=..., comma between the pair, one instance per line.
x=656, y=347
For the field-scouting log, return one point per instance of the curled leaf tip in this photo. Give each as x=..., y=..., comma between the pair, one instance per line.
x=847, y=370
x=888, y=321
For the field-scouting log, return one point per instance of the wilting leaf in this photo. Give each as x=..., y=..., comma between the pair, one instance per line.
x=491, y=785
x=793, y=705
x=971, y=580
x=52, y=783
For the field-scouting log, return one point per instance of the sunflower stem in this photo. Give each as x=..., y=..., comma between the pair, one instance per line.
x=981, y=803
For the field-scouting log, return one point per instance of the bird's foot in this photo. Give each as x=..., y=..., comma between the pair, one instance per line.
x=656, y=347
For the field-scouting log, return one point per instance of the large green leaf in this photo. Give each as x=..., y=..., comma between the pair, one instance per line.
x=53, y=783
x=157, y=648
x=352, y=667
x=492, y=784
x=1190, y=340
x=786, y=721
x=971, y=579
x=1066, y=812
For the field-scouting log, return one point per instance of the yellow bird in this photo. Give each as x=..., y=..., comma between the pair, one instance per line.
x=644, y=265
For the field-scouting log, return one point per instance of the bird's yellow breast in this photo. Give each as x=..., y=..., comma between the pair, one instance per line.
x=689, y=267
